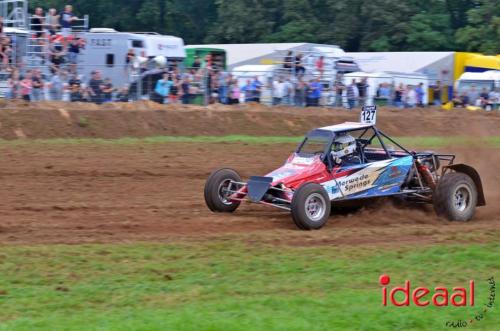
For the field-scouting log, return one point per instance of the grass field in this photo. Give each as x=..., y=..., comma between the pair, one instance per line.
x=230, y=285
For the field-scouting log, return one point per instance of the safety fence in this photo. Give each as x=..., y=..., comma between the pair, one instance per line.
x=174, y=83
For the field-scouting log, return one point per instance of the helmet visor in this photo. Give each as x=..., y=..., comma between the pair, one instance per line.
x=337, y=147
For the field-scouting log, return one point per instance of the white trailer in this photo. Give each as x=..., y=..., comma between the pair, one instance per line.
x=106, y=50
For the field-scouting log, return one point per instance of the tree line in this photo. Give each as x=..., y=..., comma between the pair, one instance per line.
x=354, y=25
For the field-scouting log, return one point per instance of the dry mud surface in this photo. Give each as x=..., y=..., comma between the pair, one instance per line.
x=142, y=119
x=154, y=192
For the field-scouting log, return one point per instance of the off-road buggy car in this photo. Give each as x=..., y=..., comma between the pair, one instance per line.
x=312, y=180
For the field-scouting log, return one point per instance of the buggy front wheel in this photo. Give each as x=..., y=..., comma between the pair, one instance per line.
x=310, y=207
x=218, y=189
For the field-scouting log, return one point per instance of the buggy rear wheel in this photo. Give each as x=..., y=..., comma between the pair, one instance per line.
x=455, y=197
x=310, y=207
x=218, y=189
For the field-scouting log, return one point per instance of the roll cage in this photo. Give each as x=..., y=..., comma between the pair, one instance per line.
x=367, y=135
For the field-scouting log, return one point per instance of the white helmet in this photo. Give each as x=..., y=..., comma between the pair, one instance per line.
x=343, y=145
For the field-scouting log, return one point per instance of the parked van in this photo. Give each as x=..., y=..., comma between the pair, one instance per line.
x=106, y=50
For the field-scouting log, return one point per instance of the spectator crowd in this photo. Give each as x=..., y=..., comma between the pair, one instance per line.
x=55, y=45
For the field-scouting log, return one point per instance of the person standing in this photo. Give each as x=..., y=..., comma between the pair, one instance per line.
x=362, y=91
x=234, y=91
x=287, y=92
x=410, y=97
x=56, y=86
x=314, y=93
x=339, y=90
x=186, y=90
x=351, y=94
x=419, y=91
x=174, y=90
x=26, y=86
x=436, y=93
x=75, y=91
x=37, y=86
x=398, y=96
x=73, y=51
x=96, y=87
x=299, y=67
x=67, y=18
x=196, y=63
x=38, y=22
x=14, y=85
x=162, y=89
x=247, y=89
x=277, y=91
x=300, y=93
x=473, y=94
x=107, y=90
x=223, y=87
x=52, y=21
x=257, y=88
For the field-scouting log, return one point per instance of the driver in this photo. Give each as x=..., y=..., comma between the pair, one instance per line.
x=344, y=150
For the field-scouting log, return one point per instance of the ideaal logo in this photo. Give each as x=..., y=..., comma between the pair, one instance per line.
x=460, y=296
x=439, y=297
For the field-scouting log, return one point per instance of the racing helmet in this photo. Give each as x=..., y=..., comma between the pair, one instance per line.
x=343, y=146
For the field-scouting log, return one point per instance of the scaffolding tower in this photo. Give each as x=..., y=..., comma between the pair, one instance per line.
x=14, y=13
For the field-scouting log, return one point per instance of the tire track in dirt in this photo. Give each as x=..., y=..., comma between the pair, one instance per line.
x=106, y=193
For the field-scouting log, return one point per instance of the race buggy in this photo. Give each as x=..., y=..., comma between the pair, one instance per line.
x=352, y=162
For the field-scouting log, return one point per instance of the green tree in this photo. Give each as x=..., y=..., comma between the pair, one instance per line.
x=429, y=32
x=355, y=25
x=482, y=33
x=299, y=23
x=243, y=21
x=150, y=15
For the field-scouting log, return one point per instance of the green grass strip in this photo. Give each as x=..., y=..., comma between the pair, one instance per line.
x=426, y=141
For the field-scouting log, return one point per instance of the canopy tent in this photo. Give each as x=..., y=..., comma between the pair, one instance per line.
x=480, y=63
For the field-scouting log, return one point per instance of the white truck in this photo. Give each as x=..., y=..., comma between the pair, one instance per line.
x=106, y=50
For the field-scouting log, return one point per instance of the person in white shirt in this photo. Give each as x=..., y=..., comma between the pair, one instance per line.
x=278, y=91
x=411, y=97
x=494, y=99
x=287, y=92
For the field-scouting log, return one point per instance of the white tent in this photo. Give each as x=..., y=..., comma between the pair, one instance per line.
x=436, y=65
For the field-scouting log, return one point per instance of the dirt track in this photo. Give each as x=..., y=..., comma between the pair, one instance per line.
x=106, y=193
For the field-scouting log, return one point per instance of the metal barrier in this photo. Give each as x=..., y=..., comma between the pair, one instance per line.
x=204, y=86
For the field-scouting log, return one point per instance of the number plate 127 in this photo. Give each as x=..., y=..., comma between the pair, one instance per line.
x=369, y=114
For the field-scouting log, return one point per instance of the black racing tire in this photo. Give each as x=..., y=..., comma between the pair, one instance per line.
x=213, y=192
x=455, y=197
x=310, y=207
